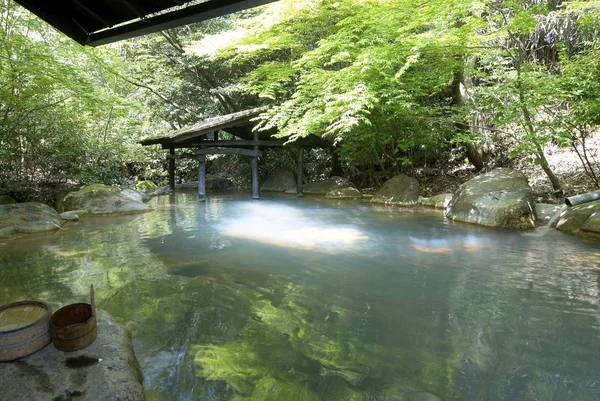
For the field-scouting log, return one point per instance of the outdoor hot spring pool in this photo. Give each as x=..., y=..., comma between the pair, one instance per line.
x=309, y=299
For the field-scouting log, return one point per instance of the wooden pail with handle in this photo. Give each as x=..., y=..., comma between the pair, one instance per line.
x=73, y=327
x=24, y=329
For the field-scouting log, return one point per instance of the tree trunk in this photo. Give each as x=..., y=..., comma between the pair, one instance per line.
x=474, y=156
x=459, y=98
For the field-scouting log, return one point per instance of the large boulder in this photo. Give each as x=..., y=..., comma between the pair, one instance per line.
x=323, y=186
x=279, y=181
x=28, y=218
x=500, y=198
x=440, y=201
x=103, y=199
x=107, y=370
x=582, y=220
x=6, y=200
x=400, y=191
x=344, y=193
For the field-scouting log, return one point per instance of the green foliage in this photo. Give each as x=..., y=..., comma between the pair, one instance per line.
x=393, y=84
x=62, y=117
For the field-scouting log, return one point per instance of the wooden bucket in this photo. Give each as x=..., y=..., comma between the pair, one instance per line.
x=73, y=327
x=24, y=329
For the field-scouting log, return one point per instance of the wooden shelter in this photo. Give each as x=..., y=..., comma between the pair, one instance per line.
x=203, y=139
x=98, y=22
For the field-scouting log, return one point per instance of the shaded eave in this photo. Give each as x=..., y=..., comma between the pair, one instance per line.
x=240, y=124
x=98, y=22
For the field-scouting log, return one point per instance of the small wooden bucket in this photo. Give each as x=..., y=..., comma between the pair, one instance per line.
x=24, y=329
x=73, y=327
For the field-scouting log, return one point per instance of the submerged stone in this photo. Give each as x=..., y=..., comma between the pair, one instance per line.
x=399, y=191
x=500, y=198
x=28, y=218
x=104, y=199
x=280, y=181
x=107, y=370
x=270, y=389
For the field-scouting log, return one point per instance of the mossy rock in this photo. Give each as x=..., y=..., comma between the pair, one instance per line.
x=104, y=199
x=145, y=186
x=28, y=218
x=500, y=198
x=399, y=191
x=344, y=193
x=7, y=200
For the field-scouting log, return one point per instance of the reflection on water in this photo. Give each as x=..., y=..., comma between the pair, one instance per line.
x=291, y=299
x=287, y=226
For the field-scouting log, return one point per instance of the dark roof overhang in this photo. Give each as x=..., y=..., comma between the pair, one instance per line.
x=241, y=124
x=98, y=22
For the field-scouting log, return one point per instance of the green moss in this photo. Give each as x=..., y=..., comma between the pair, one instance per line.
x=145, y=186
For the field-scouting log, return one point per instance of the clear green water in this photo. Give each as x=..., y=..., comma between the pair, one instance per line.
x=287, y=299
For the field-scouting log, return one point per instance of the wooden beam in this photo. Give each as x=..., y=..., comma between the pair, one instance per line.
x=228, y=151
x=202, y=131
x=232, y=143
x=183, y=16
x=243, y=143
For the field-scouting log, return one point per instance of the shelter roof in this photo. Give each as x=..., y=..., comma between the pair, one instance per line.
x=240, y=124
x=98, y=22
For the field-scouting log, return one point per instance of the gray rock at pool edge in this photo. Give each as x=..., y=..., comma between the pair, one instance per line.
x=279, y=181
x=28, y=218
x=440, y=201
x=500, y=198
x=323, y=186
x=400, y=191
x=582, y=220
x=104, y=199
x=107, y=370
x=344, y=193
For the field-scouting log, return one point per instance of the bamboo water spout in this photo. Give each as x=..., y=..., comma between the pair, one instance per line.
x=583, y=198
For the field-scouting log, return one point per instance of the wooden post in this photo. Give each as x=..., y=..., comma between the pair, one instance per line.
x=299, y=172
x=201, y=177
x=172, y=169
x=254, y=165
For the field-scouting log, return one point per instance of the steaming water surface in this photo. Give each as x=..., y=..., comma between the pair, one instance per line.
x=288, y=299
